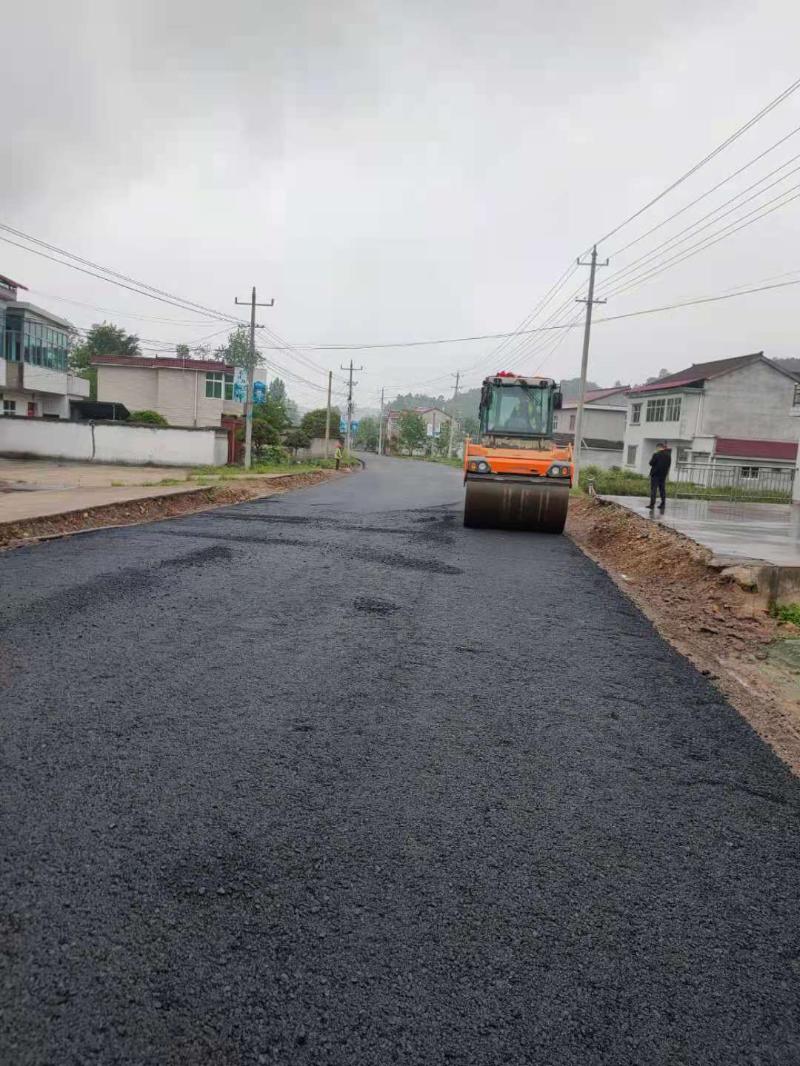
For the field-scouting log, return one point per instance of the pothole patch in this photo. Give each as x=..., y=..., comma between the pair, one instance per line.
x=374, y=606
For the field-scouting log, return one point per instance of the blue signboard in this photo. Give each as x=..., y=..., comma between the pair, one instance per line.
x=240, y=385
x=354, y=426
x=342, y=426
x=259, y=392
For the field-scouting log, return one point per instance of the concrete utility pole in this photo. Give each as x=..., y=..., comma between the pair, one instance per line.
x=349, y=435
x=452, y=417
x=328, y=416
x=251, y=371
x=587, y=329
x=380, y=427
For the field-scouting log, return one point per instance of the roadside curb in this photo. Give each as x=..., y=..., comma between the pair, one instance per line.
x=208, y=500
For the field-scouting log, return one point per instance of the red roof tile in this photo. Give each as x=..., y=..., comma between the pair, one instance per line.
x=736, y=448
x=697, y=373
x=174, y=363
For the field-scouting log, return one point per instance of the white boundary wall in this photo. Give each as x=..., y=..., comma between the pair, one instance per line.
x=112, y=442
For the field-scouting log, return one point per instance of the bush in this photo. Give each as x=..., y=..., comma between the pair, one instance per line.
x=273, y=454
x=149, y=418
x=295, y=439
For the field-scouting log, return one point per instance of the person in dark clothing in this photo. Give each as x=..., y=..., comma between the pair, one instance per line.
x=660, y=463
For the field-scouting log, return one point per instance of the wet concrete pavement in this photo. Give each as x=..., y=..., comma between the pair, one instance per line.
x=326, y=778
x=765, y=531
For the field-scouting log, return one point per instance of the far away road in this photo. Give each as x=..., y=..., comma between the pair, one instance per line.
x=327, y=778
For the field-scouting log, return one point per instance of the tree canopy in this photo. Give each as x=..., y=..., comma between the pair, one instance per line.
x=412, y=434
x=367, y=435
x=313, y=422
x=103, y=338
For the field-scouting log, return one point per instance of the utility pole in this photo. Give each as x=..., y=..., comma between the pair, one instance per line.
x=328, y=416
x=587, y=329
x=380, y=427
x=350, y=369
x=251, y=372
x=452, y=417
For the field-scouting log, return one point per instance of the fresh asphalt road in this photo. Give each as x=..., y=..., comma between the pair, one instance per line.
x=326, y=778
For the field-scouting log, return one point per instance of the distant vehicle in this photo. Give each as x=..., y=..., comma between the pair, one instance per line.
x=516, y=476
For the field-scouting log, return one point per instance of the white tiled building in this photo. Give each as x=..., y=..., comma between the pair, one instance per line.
x=34, y=377
x=187, y=392
x=729, y=412
x=603, y=431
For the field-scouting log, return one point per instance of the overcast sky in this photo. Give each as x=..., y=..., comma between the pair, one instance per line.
x=397, y=170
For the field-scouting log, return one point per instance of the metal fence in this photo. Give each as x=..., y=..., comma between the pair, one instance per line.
x=748, y=481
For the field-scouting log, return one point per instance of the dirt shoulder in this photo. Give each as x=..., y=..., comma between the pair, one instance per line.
x=723, y=629
x=148, y=509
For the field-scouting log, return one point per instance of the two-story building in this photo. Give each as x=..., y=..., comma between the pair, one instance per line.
x=187, y=392
x=727, y=413
x=34, y=346
x=603, y=431
x=435, y=420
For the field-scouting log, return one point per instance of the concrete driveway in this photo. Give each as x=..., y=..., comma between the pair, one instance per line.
x=763, y=531
x=33, y=488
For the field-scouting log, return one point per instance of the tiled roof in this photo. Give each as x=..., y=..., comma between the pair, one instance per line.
x=175, y=363
x=737, y=448
x=699, y=372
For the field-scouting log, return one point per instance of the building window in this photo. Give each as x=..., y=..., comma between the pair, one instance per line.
x=214, y=385
x=636, y=414
x=673, y=411
x=229, y=386
x=555, y=421
x=632, y=449
x=796, y=397
x=9, y=407
x=750, y=473
x=655, y=410
x=572, y=421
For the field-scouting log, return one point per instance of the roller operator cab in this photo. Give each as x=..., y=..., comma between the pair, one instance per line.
x=516, y=476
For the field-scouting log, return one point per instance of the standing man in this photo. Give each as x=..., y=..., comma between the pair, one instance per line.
x=338, y=454
x=660, y=462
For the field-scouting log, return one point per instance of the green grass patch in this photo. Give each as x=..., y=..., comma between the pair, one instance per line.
x=228, y=473
x=786, y=612
x=618, y=482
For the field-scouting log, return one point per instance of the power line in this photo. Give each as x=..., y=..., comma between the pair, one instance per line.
x=72, y=266
x=695, y=249
x=707, y=158
x=694, y=228
x=708, y=192
x=113, y=276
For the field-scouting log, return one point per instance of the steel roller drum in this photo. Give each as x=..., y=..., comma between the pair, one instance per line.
x=509, y=503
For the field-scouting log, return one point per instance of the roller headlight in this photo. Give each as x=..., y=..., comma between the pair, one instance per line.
x=557, y=470
x=479, y=466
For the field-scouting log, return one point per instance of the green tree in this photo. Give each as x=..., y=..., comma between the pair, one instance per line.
x=412, y=434
x=313, y=422
x=103, y=338
x=237, y=350
x=277, y=390
x=273, y=413
x=150, y=418
x=295, y=439
x=470, y=425
x=182, y=351
x=443, y=440
x=367, y=435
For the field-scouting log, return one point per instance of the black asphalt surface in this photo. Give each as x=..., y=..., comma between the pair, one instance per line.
x=326, y=778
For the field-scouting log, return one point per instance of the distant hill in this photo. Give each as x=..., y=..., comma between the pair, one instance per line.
x=792, y=365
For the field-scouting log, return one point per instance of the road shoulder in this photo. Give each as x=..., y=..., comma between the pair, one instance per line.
x=723, y=629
